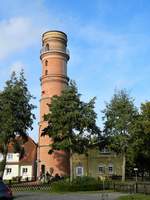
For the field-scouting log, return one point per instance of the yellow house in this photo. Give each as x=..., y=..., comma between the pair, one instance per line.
x=97, y=164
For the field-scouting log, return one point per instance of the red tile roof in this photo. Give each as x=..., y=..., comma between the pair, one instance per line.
x=30, y=151
x=30, y=155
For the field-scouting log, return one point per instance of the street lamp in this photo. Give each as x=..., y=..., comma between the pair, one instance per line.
x=136, y=171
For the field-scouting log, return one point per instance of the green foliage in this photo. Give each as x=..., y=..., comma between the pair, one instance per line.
x=18, y=148
x=83, y=180
x=79, y=184
x=141, y=139
x=16, y=115
x=15, y=108
x=127, y=131
x=2, y=164
x=119, y=115
x=71, y=122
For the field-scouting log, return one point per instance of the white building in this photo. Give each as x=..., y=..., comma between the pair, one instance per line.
x=23, y=167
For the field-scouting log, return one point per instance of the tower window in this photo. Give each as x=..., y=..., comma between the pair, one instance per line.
x=47, y=47
x=46, y=72
x=46, y=63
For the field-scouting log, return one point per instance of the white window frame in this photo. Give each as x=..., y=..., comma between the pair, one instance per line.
x=103, y=169
x=105, y=151
x=1, y=156
x=24, y=170
x=110, y=171
x=8, y=170
x=78, y=168
x=10, y=156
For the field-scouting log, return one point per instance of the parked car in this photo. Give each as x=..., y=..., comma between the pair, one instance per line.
x=5, y=191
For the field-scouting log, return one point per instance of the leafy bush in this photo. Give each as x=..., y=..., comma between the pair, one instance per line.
x=79, y=184
x=115, y=177
x=84, y=180
x=16, y=178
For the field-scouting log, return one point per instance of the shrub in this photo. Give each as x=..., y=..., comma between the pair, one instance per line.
x=16, y=178
x=84, y=180
x=60, y=186
x=79, y=184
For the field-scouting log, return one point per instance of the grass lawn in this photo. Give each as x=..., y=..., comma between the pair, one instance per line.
x=135, y=197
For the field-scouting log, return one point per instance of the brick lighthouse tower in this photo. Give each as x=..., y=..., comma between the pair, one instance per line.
x=54, y=57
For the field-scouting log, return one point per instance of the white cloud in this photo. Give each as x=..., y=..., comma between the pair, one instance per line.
x=16, y=34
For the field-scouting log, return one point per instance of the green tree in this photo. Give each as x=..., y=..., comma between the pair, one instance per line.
x=119, y=115
x=71, y=123
x=141, y=139
x=16, y=115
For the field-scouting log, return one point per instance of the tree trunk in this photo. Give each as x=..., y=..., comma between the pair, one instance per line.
x=87, y=157
x=3, y=162
x=142, y=175
x=71, y=173
x=123, y=166
x=2, y=165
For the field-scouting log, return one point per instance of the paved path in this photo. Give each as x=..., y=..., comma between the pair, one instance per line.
x=69, y=196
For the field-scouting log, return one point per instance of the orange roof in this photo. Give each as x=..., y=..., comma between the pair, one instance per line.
x=30, y=151
x=30, y=155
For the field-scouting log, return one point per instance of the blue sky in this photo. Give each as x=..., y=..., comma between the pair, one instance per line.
x=108, y=40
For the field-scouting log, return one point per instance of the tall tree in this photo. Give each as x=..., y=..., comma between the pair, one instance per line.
x=141, y=140
x=16, y=115
x=119, y=115
x=71, y=123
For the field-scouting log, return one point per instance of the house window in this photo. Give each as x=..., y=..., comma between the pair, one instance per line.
x=8, y=170
x=24, y=170
x=1, y=156
x=110, y=169
x=105, y=151
x=79, y=171
x=101, y=169
x=10, y=156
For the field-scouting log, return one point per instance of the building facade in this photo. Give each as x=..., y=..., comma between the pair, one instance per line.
x=54, y=57
x=20, y=165
x=97, y=164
